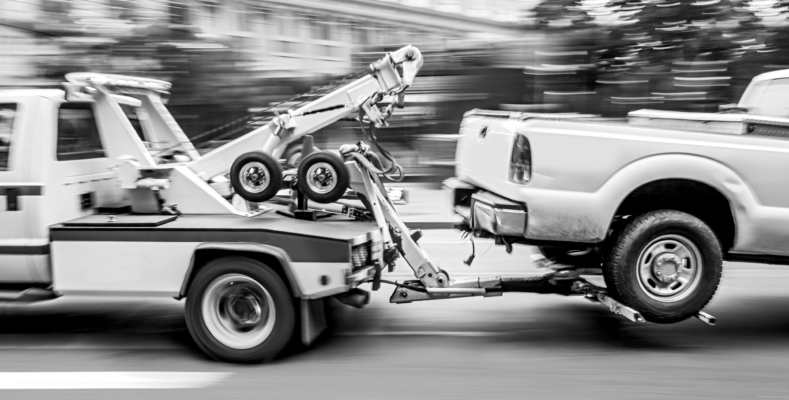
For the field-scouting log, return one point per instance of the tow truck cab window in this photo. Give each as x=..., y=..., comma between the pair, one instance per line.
x=78, y=136
x=7, y=114
x=135, y=116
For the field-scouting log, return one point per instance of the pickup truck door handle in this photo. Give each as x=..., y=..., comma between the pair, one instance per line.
x=12, y=199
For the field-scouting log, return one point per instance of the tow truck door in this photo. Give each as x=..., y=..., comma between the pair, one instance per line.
x=17, y=192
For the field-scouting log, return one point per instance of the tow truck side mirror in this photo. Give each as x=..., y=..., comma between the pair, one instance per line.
x=400, y=100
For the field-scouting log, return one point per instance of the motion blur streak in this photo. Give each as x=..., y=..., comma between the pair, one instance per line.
x=108, y=380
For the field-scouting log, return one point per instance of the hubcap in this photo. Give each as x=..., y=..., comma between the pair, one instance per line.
x=321, y=177
x=238, y=311
x=254, y=177
x=669, y=268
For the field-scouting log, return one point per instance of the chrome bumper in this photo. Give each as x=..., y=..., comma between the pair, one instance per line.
x=497, y=215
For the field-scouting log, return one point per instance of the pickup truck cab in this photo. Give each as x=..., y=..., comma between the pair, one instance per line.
x=78, y=218
x=657, y=201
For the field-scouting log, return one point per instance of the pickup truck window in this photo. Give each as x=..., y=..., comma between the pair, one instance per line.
x=773, y=101
x=7, y=113
x=78, y=136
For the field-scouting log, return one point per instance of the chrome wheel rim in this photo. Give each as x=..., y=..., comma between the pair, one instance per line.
x=321, y=178
x=254, y=177
x=238, y=311
x=669, y=268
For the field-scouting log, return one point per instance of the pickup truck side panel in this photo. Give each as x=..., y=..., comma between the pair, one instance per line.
x=581, y=173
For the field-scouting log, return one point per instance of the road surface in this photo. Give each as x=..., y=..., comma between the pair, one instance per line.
x=517, y=346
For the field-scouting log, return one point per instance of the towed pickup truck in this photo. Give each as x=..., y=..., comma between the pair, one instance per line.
x=655, y=202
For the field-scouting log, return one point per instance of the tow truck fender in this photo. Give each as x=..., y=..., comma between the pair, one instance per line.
x=275, y=252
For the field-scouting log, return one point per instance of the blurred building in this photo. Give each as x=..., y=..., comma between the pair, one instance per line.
x=318, y=37
x=279, y=38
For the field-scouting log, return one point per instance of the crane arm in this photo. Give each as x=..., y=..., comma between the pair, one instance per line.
x=382, y=81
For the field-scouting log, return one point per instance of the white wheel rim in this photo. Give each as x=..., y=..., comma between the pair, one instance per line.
x=238, y=311
x=321, y=177
x=254, y=177
x=669, y=268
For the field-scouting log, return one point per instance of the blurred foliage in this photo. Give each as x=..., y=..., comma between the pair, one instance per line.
x=667, y=54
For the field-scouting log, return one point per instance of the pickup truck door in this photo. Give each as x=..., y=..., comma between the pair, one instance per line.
x=17, y=247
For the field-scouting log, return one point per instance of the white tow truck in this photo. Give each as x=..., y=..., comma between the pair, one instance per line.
x=93, y=202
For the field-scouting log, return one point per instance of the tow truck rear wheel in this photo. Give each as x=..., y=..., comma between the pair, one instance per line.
x=665, y=264
x=239, y=310
x=256, y=176
x=323, y=177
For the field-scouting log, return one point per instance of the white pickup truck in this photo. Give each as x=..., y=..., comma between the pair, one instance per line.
x=657, y=201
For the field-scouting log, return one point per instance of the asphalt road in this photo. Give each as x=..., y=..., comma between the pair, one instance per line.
x=516, y=346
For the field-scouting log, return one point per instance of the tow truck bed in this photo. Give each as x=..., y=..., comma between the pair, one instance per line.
x=92, y=254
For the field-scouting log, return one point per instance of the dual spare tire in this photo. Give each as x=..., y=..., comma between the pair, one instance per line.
x=322, y=177
x=665, y=264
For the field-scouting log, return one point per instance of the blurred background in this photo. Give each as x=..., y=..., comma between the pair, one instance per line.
x=230, y=58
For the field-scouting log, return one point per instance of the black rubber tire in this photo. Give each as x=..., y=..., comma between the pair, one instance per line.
x=340, y=174
x=621, y=273
x=569, y=256
x=274, y=176
x=290, y=153
x=285, y=319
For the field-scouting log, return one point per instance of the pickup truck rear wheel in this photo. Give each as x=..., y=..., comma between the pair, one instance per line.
x=256, y=176
x=239, y=310
x=665, y=264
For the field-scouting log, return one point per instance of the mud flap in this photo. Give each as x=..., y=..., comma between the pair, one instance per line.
x=313, y=320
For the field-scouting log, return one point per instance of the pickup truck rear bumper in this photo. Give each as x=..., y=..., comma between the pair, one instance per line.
x=486, y=211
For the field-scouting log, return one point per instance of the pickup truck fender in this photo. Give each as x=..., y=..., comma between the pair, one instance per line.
x=719, y=176
x=275, y=252
x=556, y=215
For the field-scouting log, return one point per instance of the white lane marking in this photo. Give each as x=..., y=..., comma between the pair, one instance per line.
x=108, y=380
x=420, y=333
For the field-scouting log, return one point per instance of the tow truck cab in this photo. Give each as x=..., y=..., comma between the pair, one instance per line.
x=69, y=227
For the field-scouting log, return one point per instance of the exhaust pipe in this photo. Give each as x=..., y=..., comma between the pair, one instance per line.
x=355, y=298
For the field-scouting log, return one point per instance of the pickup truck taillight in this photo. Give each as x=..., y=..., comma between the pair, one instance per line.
x=520, y=162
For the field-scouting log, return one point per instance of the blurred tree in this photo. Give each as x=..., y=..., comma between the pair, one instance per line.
x=651, y=53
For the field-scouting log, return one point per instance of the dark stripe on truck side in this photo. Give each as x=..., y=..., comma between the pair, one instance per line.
x=299, y=248
x=25, y=250
x=21, y=189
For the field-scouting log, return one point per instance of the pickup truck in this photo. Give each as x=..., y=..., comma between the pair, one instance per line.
x=655, y=202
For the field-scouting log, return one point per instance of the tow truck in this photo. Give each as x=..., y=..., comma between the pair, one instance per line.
x=99, y=205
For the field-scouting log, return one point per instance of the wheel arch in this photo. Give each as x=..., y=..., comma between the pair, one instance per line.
x=690, y=196
x=274, y=257
x=706, y=178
